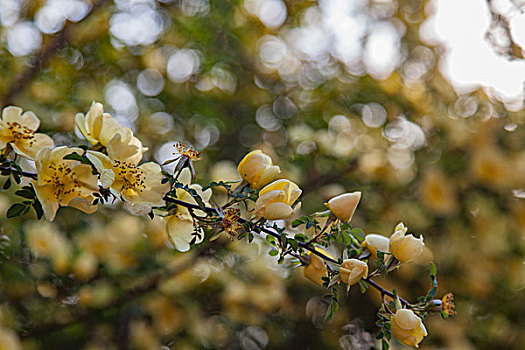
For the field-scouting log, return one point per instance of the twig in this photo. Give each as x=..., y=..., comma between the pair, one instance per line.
x=43, y=57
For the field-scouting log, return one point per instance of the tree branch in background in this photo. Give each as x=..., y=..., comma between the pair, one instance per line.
x=43, y=57
x=499, y=33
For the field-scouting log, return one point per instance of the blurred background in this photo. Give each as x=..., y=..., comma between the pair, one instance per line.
x=418, y=104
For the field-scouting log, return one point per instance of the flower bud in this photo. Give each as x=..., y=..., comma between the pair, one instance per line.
x=405, y=248
x=316, y=269
x=256, y=168
x=344, y=205
x=374, y=242
x=407, y=327
x=352, y=270
x=276, y=199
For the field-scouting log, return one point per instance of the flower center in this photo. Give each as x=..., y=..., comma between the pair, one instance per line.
x=62, y=180
x=21, y=133
x=132, y=177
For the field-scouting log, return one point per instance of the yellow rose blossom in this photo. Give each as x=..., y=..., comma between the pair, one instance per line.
x=180, y=223
x=352, y=270
x=141, y=186
x=316, y=269
x=374, y=242
x=257, y=169
x=99, y=127
x=18, y=130
x=344, y=205
x=9, y=339
x=63, y=182
x=405, y=248
x=45, y=241
x=276, y=199
x=407, y=327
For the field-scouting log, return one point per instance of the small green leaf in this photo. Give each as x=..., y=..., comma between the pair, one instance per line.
x=15, y=210
x=273, y=252
x=25, y=193
x=433, y=269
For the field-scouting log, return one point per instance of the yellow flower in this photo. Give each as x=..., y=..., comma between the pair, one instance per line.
x=407, y=327
x=141, y=186
x=18, y=130
x=98, y=126
x=405, y=248
x=257, y=169
x=316, y=269
x=374, y=242
x=352, y=270
x=63, y=182
x=344, y=205
x=180, y=223
x=276, y=199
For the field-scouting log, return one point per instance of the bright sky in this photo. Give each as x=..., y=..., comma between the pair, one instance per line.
x=471, y=61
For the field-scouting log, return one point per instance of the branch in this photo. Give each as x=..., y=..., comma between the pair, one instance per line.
x=16, y=171
x=43, y=57
x=384, y=291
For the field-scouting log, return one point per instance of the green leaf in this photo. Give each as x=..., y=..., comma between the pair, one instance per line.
x=15, y=210
x=433, y=269
x=7, y=184
x=270, y=240
x=76, y=156
x=25, y=193
x=363, y=286
x=385, y=345
x=273, y=252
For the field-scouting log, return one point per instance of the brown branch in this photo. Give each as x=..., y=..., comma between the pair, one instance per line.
x=43, y=57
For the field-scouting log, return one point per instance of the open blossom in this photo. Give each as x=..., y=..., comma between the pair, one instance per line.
x=19, y=131
x=374, y=242
x=276, y=199
x=63, y=182
x=179, y=223
x=257, y=169
x=99, y=127
x=141, y=186
x=405, y=248
x=352, y=270
x=407, y=327
x=344, y=205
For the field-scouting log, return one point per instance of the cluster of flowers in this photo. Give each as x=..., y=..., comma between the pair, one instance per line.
x=277, y=200
x=79, y=178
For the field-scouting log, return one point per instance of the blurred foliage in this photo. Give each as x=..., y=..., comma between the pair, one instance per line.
x=230, y=76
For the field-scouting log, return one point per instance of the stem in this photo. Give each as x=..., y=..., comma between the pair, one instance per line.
x=383, y=290
x=22, y=173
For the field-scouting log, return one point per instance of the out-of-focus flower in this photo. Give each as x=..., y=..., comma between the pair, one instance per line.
x=344, y=205
x=405, y=248
x=374, y=242
x=352, y=270
x=316, y=269
x=18, y=130
x=85, y=265
x=63, y=182
x=257, y=169
x=99, y=127
x=490, y=165
x=141, y=186
x=407, y=327
x=46, y=241
x=437, y=192
x=9, y=339
x=276, y=199
x=179, y=223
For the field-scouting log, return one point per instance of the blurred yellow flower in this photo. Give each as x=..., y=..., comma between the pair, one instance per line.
x=344, y=205
x=438, y=193
x=45, y=241
x=63, y=182
x=9, y=340
x=257, y=169
x=407, y=327
x=352, y=270
x=276, y=199
x=374, y=242
x=179, y=223
x=405, y=248
x=18, y=130
x=141, y=186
